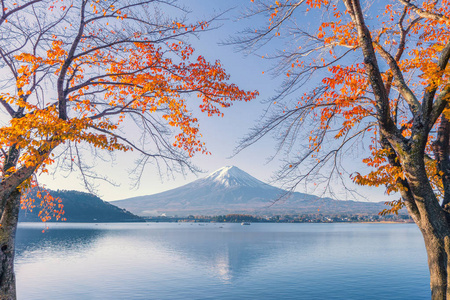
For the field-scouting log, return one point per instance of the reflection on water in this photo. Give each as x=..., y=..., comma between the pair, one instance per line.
x=227, y=261
x=228, y=253
x=67, y=242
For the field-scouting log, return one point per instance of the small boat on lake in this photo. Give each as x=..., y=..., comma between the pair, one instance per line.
x=245, y=223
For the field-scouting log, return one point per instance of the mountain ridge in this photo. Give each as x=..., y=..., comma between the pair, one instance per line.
x=231, y=190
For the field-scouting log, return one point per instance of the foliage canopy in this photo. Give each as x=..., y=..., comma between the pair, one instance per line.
x=327, y=96
x=374, y=70
x=77, y=75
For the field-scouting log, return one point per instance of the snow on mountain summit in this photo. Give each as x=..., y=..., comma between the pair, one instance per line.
x=230, y=190
x=233, y=176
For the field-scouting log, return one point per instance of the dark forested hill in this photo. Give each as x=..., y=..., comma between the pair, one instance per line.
x=83, y=207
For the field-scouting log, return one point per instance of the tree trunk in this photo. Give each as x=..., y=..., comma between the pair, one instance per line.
x=9, y=208
x=432, y=221
x=436, y=234
x=435, y=231
x=8, y=221
x=438, y=263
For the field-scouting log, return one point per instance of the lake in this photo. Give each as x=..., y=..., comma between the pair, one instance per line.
x=221, y=261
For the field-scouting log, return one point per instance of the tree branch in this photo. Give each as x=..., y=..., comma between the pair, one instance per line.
x=399, y=81
x=435, y=110
x=387, y=125
x=425, y=14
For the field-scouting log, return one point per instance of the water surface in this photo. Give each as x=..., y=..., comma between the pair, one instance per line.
x=221, y=261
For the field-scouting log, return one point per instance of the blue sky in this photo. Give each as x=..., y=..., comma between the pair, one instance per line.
x=220, y=134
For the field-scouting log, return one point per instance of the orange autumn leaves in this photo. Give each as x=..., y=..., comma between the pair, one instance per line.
x=49, y=207
x=83, y=86
x=341, y=105
x=142, y=78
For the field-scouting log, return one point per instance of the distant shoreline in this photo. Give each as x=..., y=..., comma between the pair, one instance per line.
x=306, y=218
x=239, y=218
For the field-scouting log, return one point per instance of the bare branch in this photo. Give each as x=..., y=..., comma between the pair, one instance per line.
x=424, y=13
x=399, y=81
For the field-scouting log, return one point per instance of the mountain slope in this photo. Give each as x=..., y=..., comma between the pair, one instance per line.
x=83, y=207
x=231, y=190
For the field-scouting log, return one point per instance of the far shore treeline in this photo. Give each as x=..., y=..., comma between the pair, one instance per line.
x=304, y=218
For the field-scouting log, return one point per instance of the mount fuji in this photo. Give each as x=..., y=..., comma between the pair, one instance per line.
x=231, y=190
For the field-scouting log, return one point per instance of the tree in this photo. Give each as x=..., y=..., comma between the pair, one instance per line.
x=82, y=73
x=355, y=73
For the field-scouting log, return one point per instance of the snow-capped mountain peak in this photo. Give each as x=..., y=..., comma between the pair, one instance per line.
x=230, y=190
x=233, y=176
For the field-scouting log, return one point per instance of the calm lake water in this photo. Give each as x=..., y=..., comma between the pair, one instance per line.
x=221, y=261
